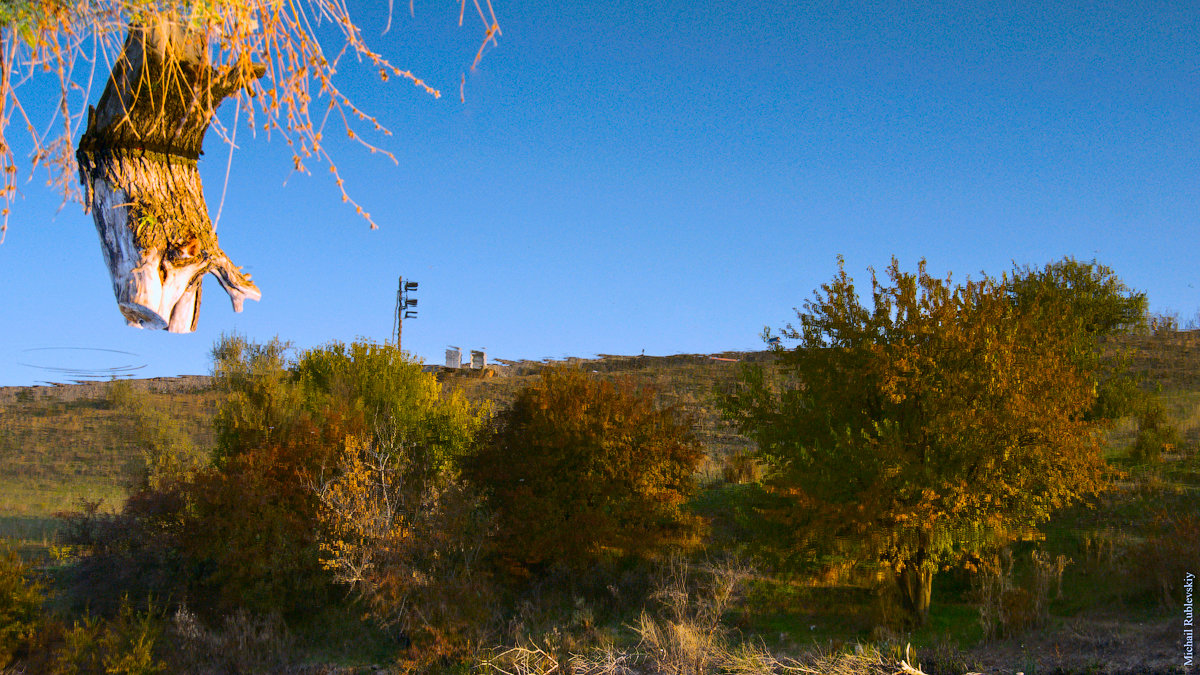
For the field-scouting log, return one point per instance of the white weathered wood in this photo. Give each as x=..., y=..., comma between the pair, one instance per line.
x=137, y=163
x=159, y=287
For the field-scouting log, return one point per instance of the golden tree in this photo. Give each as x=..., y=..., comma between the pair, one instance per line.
x=925, y=425
x=136, y=160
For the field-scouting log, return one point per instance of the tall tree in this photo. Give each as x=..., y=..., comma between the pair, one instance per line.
x=137, y=156
x=919, y=427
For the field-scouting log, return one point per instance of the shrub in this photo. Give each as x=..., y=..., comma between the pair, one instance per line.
x=251, y=528
x=579, y=466
x=409, y=550
x=396, y=523
x=123, y=645
x=21, y=613
x=133, y=555
x=403, y=407
x=245, y=531
x=256, y=394
x=1156, y=435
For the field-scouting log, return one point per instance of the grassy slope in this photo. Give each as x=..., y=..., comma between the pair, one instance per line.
x=62, y=444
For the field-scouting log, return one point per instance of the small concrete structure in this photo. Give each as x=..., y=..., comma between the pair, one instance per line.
x=453, y=357
x=478, y=359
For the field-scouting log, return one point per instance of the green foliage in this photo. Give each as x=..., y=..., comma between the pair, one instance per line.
x=119, y=394
x=1099, y=304
x=256, y=394
x=580, y=465
x=391, y=393
x=1156, y=435
x=1096, y=307
x=21, y=612
x=929, y=424
x=168, y=451
x=123, y=645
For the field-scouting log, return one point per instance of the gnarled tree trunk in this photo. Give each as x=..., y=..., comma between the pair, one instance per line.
x=137, y=162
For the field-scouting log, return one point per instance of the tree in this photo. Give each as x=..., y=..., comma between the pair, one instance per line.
x=1099, y=307
x=919, y=428
x=136, y=159
x=579, y=465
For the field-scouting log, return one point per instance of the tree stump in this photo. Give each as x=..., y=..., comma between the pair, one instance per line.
x=137, y=163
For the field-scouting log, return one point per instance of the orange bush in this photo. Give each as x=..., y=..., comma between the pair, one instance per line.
x=253, y=529
x=578, y=466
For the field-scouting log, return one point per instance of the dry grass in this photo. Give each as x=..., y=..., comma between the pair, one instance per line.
x=686, y=635
x=741, y=659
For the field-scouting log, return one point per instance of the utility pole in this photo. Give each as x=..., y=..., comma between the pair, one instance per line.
x=403, y=302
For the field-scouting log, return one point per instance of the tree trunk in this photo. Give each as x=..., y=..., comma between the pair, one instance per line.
x=916, y=587
x=137, y=162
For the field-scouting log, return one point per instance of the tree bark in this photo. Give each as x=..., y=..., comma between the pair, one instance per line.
x=916, y=588
x=137, y=163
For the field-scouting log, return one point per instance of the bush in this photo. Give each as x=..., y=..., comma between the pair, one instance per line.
x=580, y=466
x=244, y=531
x=21, y=613
x=409, y=550
x=134, y=555
x=1156, y=435
x=252, y=524
x=124, y=645
x=397, y=524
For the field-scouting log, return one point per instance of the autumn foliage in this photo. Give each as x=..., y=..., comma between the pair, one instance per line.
x=922, y=425
x=579, y=466
x=397, y=524
x=21, y=613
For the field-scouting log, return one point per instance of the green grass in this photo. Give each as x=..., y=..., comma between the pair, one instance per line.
x=46, y=496
x=59, y=445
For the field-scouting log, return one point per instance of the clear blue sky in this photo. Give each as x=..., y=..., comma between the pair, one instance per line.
x=672, y=177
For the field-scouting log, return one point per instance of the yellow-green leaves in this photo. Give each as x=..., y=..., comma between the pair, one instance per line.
x=935, y=415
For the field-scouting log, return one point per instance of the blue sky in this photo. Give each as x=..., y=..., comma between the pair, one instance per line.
x=671, y=177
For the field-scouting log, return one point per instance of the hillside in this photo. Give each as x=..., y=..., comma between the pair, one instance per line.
x=1119, y=558
x=60, y=443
